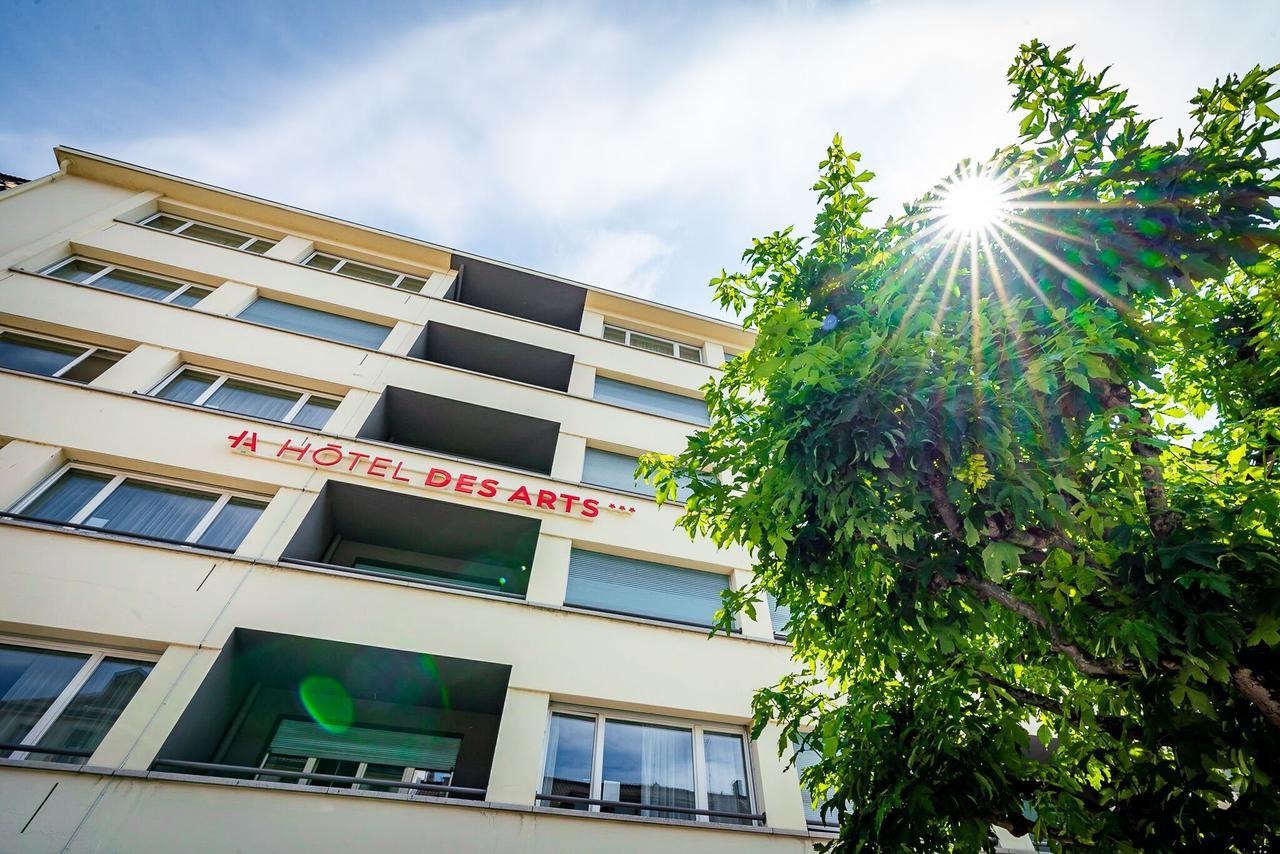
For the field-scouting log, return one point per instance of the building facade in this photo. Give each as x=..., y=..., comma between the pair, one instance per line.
x=319, y=537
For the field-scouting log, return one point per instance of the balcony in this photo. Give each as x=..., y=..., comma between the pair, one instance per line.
x=518, y=293
x=403, y=537
x=443, y=425
x=497, y=357
x=313, y=713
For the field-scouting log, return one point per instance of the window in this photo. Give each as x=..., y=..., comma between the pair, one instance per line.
x=820, y=817
x=122, y=280
x=356, y=751
x=50, y=357
x=651, y=400
x=244, y=397
x=65, y=698
x=780, y=617
x=617, y=471
x=365, y=272
x=208, y=233
x=652, y=343
x=313, y=321
x=143, y=508
x=640, y=588
x=666, y=769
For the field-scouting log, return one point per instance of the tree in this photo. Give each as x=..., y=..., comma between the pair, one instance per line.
x=1024, y=591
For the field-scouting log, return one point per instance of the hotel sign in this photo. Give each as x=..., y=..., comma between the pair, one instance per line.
x=335, y=456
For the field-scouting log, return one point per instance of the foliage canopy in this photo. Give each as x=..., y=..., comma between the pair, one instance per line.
x=1023, y=591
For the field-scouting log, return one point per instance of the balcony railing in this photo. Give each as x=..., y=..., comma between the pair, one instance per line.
x=236, y=771
x=14, y=747
x=629, y=805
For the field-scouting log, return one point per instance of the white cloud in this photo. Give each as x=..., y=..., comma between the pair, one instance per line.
x=643, y=153
x=633, y=262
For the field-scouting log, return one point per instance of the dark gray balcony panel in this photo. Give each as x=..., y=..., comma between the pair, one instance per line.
x=497, y=357
x=448, y=426
x=517, y=293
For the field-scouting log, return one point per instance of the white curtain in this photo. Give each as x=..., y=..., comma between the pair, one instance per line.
x=666, y=769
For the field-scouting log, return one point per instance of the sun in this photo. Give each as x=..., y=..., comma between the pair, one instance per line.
x=972, y=203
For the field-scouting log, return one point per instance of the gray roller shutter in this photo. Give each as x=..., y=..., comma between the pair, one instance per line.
x=644, y=589
x=365, y=744
x=651, y=400
x=313, y=321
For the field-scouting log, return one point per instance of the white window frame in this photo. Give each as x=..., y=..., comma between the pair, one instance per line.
x=697, y=728
x=222, y=378
x=342, y=262
x=187, y=222
x=182, y=288
x=118, y=477
x=90, y=349
x=410, y=775
x=675, y=345
x=59, y=705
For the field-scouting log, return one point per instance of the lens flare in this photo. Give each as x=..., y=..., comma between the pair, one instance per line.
x=972, y=203
x=429, y=667
x=327, y=702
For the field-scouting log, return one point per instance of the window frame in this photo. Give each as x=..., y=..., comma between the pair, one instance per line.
x=695, y=728
x=675, y=345
x=304, y=396
x=342, y=262
x=118, y=477
x=97, y=654
x=183, y=286
x=187, y=222
x=410, y=775
x=90, y=350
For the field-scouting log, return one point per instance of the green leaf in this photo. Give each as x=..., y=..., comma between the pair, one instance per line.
x=999, y=557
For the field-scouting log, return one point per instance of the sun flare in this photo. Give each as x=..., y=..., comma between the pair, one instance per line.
x=972, y=204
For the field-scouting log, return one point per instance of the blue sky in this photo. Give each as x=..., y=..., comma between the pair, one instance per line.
x=636, y=146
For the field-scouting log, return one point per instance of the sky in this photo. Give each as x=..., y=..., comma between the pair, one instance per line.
x=633, y=146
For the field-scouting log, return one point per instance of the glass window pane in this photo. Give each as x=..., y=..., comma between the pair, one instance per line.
x=152, y=510
x=190, y=296
x=93, y=366
x=570, y=747
x=259, y=246
x=252, y=399
x=322, y=262
x=647, y=764
x=315, y=413
x=613, y=333
x=64, y=498
x=35, y=355
x=369, y=274
x=95, y=707
x=229, y=527
x=654, y=345
x=374, y=771
x=726, y=775
x=213, y=234
x=30, y=680
x=136, y=284
x=77, y=270
x=187, y=386
x=412, y=285
x=691, y=354
x=283, y=762
x=313, y=321
x=338, y=767
x=164, y=222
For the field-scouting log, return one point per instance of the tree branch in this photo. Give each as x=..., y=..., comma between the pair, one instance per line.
x=1085, y=663
x=1247, y=682
x=1163, y=520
